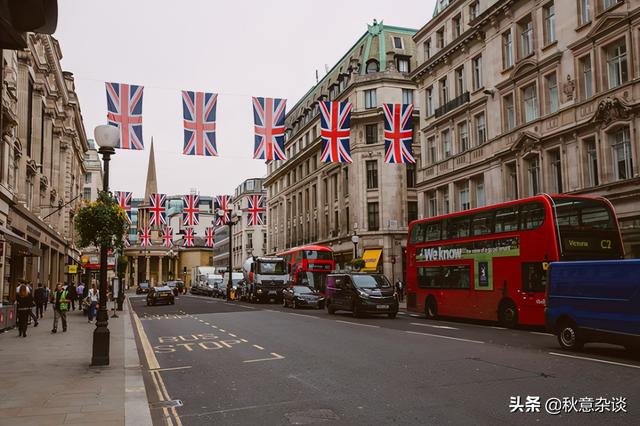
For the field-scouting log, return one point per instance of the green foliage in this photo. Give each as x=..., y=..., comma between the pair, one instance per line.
x=102, y=223
x=123, y=261
x=358, y=264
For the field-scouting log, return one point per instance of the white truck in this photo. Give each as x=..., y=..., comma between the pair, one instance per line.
x=199, y=276
x=265, y=278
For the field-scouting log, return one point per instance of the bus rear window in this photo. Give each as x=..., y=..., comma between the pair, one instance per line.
x=422, y=232
x=317, y=255
x=583, y=215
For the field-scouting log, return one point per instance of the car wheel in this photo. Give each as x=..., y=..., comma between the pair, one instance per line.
x=568, y=336
x=431, y=308
x=508, y=314
x=294, y=304
x=356, y=311
x=392, y=315
x=331, y=309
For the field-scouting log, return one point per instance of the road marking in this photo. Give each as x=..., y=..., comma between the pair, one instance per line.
x=146, y=346
x=434, y=326
x=541, y=334
x=258, y=347
x=271, y=310
x=173, y=368
x=244, y=340
x=273, y=354
x=224, y=331
x=596, y=360
x=207, y=323
x=246, y=307
x=356, y=323
x=497, y=328
x=232, y=335
x=303, y=315
x=214, y=326
x=444, y=337
x=417, y=316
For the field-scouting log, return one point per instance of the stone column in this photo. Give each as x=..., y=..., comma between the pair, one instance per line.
x=160, y=259
x=136, y=270
x=147, y=272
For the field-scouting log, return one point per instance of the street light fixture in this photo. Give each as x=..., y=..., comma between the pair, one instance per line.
x=107, y=138
x=232, y=215
x=355, y=240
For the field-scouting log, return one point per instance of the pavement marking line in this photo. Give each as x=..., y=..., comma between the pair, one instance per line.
x=232, y=335
x=224, y=331
x=356, y=323
x=273, y=354
x=207, y=323
x=303, y=315
x=246, y=307
x=244, y=340
x=497, y=328
x=444, y=337
x=173, y=368
x=146, y=346
x=214, y=326
x=434, y=326
x=540, y=333
x=157, y=387
x=596, y=360
x=416, y=315
x=258, y=347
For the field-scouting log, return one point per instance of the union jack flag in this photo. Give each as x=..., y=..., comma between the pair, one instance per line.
x=398, y=133
x=167, y=236
x=268, y=116
x=157, y=210
x=199, y=114
x=256, y=210
x=222, y=202
x=187, y=240
x=335, y=130
x=190, y=210
x=124, y=110
x=208, y=237
x=124, y=201
x=145, y=236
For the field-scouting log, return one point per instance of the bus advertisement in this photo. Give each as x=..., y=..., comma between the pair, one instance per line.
x=309, y=265
x=490, y=263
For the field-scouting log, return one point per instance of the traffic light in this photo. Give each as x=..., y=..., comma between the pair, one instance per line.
x=17, y=17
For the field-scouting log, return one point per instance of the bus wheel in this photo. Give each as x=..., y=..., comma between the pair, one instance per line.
x=508, y=314
x=568, y=336
x=431, y=308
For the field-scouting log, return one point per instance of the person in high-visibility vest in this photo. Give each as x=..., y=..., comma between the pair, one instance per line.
x=60, y=308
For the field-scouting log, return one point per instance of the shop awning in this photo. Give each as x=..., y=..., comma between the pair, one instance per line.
x=16, y=239
x=371, y=259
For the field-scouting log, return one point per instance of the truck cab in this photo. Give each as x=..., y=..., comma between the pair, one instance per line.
x=266, y=278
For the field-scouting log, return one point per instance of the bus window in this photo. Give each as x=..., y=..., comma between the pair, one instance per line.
x=507, y=219
x=317, y=255
x=457, y=276
x=482, y=223
x=534, y=279
x=457, y=227
x=432, y=232
x=531, y=215
x=417, y=233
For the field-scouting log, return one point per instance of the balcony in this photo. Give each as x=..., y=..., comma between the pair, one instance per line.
x=452, y=104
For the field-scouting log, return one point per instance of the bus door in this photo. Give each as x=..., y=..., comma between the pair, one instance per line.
x=534, y=284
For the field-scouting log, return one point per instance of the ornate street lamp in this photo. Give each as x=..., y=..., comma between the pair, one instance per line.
x=107, y=138
x=234, y=217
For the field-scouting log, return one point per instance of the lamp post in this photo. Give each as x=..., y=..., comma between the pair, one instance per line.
x=232, y=215
x=355, y=240
x=107, y=138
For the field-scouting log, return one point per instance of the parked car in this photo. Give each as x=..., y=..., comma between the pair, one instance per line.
x=300, y=296
x=236, y=277
x=594, y=301
x=162, y=294
x=214, y=285
x=176, y=286
x=142, y=288
x=361, y=293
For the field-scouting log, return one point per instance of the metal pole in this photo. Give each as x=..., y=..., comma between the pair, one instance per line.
x=101, y=334
x=229, y=273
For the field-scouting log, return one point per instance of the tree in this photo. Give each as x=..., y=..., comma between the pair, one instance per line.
x=102, y=223
x=358, y=264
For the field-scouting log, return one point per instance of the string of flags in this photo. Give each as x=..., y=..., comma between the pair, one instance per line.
x=124, y=110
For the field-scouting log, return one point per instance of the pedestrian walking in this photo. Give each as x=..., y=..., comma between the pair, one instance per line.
x=24, y=298
x=93, y=298
x=400, y=290
x=46, y=300
x=30, y=314
x=60, y=307
x=40, y=299
x=72, y=295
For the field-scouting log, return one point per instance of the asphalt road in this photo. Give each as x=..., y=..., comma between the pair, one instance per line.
x=235, y=363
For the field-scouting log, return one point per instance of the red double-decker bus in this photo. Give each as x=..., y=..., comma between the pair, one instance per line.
x=490, y=263
x=310, y=265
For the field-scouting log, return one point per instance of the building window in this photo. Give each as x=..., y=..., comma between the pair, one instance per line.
x=592, y=162
x=429, y=98
x=464, y=199
x=397, y=42
x=552, y=92
x=427, y=49
x=372, y=174
x=432, y=204
x=606, y=4
x=474, y=10
x=412, y=211
x=411, y=175
x=530, y=103
x=507, y=50
x=459, y=81
x=585, y=11
x=403, y=65
x=509, y=112
x=372, y=66
x=446, y=144
x=526, y=37
x=533, y=174
x=587, y=77
x=371, y=134
x=463, y=137
x=622, y=161
x=407, y=96
x=477, y=72
x=457, y=25
x=87, y=178
x=440, y=38
x=431, y=149
x=549, y=13
x=556, y=171
x=29, y=117
x=373, y=216
x=617, y=63
x=335, y=187
x=445, y=201
x=481, y=129
x=86, y=193
x=480, y=196
x=370, y=100
x=444, y=91
x=511, y=173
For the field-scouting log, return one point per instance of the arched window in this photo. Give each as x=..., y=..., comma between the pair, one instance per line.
x=373, y=66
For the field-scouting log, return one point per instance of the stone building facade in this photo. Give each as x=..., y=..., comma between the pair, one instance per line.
x=247, y=240
x=41, y=166
x=93, y=173
x=524, y=97
x=327, y=203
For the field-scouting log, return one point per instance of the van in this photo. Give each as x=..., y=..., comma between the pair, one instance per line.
x=361, y=293
x=594, y=301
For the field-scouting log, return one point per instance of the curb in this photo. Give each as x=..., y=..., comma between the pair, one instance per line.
x=136, y=405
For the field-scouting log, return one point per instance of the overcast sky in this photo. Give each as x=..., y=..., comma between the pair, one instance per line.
x=237, y=49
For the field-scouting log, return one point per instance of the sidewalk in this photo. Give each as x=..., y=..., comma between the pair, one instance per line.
x=46, y=379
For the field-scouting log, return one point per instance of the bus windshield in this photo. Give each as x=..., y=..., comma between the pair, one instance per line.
x=271, y=268
x=317, y=255
x=587, y=228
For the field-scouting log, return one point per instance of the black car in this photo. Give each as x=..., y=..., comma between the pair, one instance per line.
x=361, y=293
x=142, y=288
x=162, y=294
x=176, y=286
x=300, y=296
